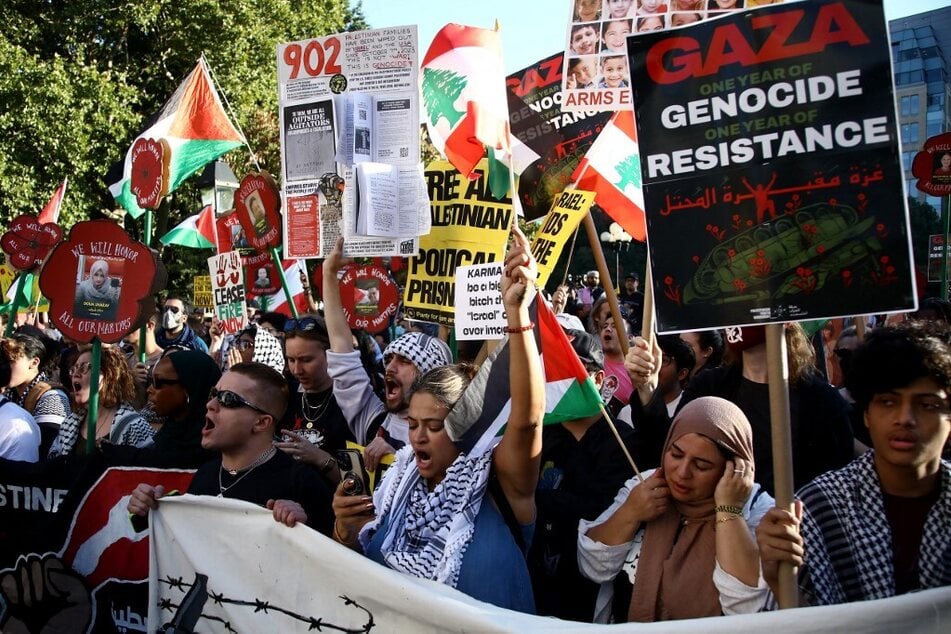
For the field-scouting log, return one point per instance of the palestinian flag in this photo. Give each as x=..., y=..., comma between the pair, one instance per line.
x=194, y=124
x=26, y=297
x=50, y=212
x=570, y=394
x=464, y=97
x=277, y=302
x=195, y=232
x=612, y=169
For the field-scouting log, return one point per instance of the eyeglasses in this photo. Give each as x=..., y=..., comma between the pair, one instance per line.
x=158, y=384
x=304, y=325
x=231, y=400
x=81, y=368
x=243, y=344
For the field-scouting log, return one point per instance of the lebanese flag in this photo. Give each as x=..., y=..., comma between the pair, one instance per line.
x=195, y=232
x=277, y=303
x=570, y=394
x=465, y=104
x=50, y=212
x=612, y=170
x=197, y=129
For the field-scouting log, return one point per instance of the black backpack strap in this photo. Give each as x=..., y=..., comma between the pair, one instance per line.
x=502, y=503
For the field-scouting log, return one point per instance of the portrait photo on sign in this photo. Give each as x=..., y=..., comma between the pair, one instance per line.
x=98, y=287
x=257, y=213
x=942, y=167
x=366, y=296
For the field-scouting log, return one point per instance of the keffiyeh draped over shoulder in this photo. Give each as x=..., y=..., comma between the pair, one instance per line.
x=848, y=539
x=427, y=533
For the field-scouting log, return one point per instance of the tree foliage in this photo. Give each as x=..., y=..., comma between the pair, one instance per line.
x=79, y=78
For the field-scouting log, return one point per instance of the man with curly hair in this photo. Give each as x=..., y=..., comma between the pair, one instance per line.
x=878, y=527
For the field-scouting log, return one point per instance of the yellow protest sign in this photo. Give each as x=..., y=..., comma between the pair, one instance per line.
x=7, y=275
x=201, y=292
x=566, y=212
x=469, y=226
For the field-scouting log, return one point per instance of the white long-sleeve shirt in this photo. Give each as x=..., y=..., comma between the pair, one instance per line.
x=602, y=563
x=357, y=400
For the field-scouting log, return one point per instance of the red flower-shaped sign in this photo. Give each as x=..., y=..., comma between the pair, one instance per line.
x=27, y=242
x=150, y=160
x=258, y=202
x=100, y=281
x=369, y=297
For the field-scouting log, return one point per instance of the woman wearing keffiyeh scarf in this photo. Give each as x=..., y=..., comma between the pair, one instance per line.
x=431, y=517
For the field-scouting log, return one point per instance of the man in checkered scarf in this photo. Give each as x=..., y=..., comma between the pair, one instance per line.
x=878, y=527
x=379, y=425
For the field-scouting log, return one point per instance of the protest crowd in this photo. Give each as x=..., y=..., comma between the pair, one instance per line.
x=602, y=460
x=582, y=536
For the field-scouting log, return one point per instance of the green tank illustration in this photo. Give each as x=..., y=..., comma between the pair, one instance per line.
x=765, y=261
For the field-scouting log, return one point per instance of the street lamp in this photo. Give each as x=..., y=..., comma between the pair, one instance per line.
x=617, y=237
x=217, y=185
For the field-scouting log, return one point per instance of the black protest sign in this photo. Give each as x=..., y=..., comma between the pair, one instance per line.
x=770, y=160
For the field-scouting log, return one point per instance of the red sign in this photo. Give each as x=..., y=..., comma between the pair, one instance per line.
x=258, y=202
x=27, y=242
x=260, y=275
x=932, y=166
x=302, y=238
x=150, y=160
x=369, y=297
x=98, y=282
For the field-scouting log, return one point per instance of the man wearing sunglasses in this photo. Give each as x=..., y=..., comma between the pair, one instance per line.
x=175, y=330
x=378, y=425
x=242, y=414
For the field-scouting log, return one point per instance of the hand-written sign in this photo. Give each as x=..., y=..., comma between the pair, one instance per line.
x=479, y=310
x=227, y=284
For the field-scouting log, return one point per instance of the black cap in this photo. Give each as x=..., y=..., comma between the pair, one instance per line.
x=587, y=346
x=634, y=276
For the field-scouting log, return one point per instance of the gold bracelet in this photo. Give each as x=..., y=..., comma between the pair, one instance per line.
x=338, y=537
x=728, y=508
x=720, y=520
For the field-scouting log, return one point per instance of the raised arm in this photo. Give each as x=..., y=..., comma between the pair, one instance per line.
x=516, y=460
x=341, y=339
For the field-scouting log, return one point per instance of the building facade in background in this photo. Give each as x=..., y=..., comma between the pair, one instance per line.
x=921, y=55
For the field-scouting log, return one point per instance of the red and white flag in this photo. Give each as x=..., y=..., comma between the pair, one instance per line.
x=612, y=169
x=277, y=303
x=465, y=102
x=50, y=212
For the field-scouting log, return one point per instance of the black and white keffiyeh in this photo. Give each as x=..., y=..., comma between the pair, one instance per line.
x=849, y=541
x=427, y=533
x=423, y=351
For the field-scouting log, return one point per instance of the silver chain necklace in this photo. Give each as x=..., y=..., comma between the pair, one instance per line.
x=312, y=413
x=264, y=457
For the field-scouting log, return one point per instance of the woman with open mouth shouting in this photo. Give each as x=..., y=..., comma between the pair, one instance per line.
x=462, y=517
x=116, y=421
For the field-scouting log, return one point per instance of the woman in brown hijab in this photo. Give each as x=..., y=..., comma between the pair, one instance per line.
x=685, y=535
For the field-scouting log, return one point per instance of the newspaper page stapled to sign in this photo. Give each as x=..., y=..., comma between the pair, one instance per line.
x=324, y=86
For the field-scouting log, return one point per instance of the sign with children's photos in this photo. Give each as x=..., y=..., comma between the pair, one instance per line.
x=597, y=77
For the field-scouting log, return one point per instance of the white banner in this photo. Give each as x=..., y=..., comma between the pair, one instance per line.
x=265, y=577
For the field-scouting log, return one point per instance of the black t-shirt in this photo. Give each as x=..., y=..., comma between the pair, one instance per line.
x=579, y=479
x=280, y=478
x=907, y=517
x=319, y=420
